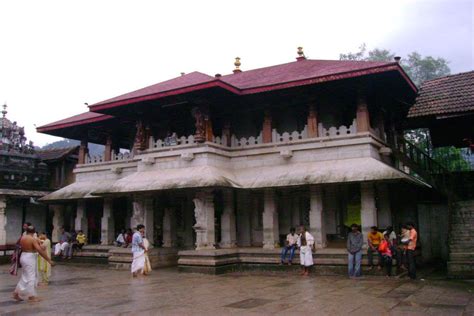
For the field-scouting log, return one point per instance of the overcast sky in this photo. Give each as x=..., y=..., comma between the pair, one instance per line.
x=56, y=55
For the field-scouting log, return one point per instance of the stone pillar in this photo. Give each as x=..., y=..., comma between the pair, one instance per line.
x=267, y=127
x=58, y=221
x=255, y=218
x=204, y=213
x=188, y=208
x=3, y=220
x=149, y=219
x=107, y=223
x=228, y=231
x=81, y=217
x=83, y=151
x=108, y=149
x=384, y=215
x=362, y=115
x=169, y=227
x=330, y=209
x=138, y=212
x=295, y=210
x=316, y=216
x=312, y=122
x=244, y=219
x=270, y=220
x=368, y=211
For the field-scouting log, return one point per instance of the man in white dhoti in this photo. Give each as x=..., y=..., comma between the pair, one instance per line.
x=30, y=247
x=305, y=243
x=138, y=250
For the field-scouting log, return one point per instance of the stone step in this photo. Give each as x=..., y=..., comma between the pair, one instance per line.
x=461, y=256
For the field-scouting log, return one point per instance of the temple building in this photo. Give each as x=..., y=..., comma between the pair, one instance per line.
x=27, y=174
x=220, y=167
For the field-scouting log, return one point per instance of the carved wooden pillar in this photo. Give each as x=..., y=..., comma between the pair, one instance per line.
x=226, y=134
x=83, y=151
x=108, y=148
x=141, y=141
x=267, y=127
x=362, y=116
x=312, y=122
x=200, y=133
x=208, y=126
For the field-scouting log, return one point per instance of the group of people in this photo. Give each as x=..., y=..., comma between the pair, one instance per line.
x=69, y=242
x=124, y=238
x=305, y=242
x=387, y=246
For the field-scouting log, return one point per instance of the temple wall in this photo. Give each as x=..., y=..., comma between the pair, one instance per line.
x=35, y=214
x=433, y=230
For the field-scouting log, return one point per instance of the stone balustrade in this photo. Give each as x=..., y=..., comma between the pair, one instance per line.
x=94, y=159
x=171, y=141
x=337, y=131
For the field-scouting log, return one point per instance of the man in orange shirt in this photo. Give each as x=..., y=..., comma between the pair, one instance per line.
x=374, y=238
x=411, y=251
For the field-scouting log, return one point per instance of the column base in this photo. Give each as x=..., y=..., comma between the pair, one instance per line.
x=205, y=247
x=227, y=245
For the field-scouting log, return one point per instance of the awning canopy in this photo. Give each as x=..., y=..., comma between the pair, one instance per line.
x=166, y=179
x=322, y=172
x=77, y=190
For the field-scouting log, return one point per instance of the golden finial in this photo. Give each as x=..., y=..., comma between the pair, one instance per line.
x=237, y=65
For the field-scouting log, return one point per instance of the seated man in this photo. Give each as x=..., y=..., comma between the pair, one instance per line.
x=120, y=241
x=63, y=244
x=290, y=244
x=374, y=239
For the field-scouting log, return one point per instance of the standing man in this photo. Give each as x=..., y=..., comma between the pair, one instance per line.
x=306, y=243
x=138, y=250
x=355, y=241
x=290, y=244
x=411, y=251
x=30, y=246
x=374, y=239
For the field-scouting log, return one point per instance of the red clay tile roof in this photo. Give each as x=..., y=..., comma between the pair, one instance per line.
x=258, y=80
x=83, y=118
x=446, y=95
x=55, y=153
x=295, y=71
x=187, y=80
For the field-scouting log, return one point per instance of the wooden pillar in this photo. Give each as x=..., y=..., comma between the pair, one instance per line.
x=226, y=134
x=83, y=151
x=141, y=142
x=362, y=115
x=312, y=122
x=267, y=127
x=108, y=149
x=200, y=124
x=208, y=126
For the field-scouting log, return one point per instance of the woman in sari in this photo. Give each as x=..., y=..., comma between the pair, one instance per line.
x=147, y=269
x=44, y=268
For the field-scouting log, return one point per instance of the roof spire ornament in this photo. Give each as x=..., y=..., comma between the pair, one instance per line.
x=301, y=55
x=237, y=65
x=4, y=112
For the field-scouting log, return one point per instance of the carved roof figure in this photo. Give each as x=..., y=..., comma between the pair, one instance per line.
x=12, y=136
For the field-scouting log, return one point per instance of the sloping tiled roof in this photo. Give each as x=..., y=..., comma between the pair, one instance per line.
x=295, y=71
x=253, y=81
x=187, y=80
x=55, y=153
x=444, y=96
x=86, y=117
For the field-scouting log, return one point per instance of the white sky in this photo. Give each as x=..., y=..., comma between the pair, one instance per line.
x=56, y=55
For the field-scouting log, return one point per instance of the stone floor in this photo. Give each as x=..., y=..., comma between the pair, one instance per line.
x=83, y=289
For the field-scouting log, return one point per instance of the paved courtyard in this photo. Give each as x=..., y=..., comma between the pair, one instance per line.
x=96, y=290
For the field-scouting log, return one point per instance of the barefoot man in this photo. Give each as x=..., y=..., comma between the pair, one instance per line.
x=138, y=250
x=30, y=246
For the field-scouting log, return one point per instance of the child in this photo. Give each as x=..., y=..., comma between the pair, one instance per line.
x=44, y=268
x=386, y=254
x=81, y=240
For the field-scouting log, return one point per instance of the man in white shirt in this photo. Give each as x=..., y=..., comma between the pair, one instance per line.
x=290, y=244
x=306, y=243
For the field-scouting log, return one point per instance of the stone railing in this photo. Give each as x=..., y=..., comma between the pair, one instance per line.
x=94, y=159
x=286, y=137
x=171, y=141
x=245, y=142
x=121, y=156
x=337, y=131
